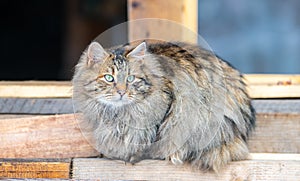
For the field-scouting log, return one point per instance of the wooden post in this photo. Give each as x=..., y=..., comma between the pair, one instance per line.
x=182, y=16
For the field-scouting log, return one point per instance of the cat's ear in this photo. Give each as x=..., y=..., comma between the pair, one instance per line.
x=139, y=51
x=96, y=53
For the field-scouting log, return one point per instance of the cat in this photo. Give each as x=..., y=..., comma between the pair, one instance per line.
x=163, y=100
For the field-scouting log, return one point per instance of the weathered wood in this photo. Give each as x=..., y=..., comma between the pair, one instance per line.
x=183, y=25
x=260, y=167
x=280, y=106
x=36, y=106
x=43, y=137
x=276, y=133
x=272, y=79
x=64, y=106
x=35, y=89
x=60, y=137
x=260, y=86
x=274, y=91
x=273, y=85
x=12, y=116
x=35, y=168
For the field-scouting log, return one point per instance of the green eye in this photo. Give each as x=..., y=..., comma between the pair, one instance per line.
x=109, y=78
x=130, y=78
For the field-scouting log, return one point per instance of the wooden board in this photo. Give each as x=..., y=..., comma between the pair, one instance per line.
x=36, y=168
x=259, y=167
x=60, y=137
x=36, y=106
x=183, y=25
x=43, y=137
x=279, y=106
x=12, y=107
x=273, y=79
x=35, y=89
x=276, y=133
x=273, y=85
x=260, y=86
x=274, y=91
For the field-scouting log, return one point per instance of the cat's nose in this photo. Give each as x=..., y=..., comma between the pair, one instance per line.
x=121, y=92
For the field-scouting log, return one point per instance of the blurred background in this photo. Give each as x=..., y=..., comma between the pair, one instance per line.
x=43, y=40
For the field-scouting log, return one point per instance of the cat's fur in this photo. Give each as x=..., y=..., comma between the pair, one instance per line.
x=185, y=104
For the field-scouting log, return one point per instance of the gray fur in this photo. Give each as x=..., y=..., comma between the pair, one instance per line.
x=186, y=105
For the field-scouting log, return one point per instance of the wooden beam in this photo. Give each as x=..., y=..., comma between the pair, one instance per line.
x=35, y=89
x=279, y=106
x=276, y=133
x=274, y=91
x=12, y=107
x=272, y=79
x=273, y=85
x=183, y=25
x=36, y=106
x=260, y=86
x=43, y=137
x=260, y=167
x=36, y=168
x=59, y=136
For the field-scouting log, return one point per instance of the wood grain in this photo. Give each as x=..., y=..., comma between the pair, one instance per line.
x=276, y=133
x=263, y=167
x=183, y=25
x=59, y=136
x=36, y=106
x=35, y=169
x=35, y=89
x=55, y=136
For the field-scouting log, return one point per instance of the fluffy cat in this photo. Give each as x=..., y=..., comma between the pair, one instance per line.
x=163, y=100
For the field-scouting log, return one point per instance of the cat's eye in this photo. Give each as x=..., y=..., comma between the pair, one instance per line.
x=108, y=78
x=130, y=78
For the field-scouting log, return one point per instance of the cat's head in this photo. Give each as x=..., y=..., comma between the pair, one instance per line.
x=117, y=76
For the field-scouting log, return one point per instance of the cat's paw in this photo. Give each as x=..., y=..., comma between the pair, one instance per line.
x=175, y=159
x=134, y=159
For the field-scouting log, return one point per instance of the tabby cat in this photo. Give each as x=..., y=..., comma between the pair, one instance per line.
x=163, y=100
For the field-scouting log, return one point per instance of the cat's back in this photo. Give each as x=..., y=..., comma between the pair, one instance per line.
x=191, y=57
x=179, y=58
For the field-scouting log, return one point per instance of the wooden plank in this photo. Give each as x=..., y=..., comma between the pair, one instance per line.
x=65, y=106
x=35, y=168
x=272, y=79
x=260, y=86
x=258, y=168
x=43, y=137
x=35, y=89
x=36, y=106
x=60, y=137
x=273, y=85
x=276, y=133
x=12, y=116
x=280, y=106
x=182, y=27
x=274, y=91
